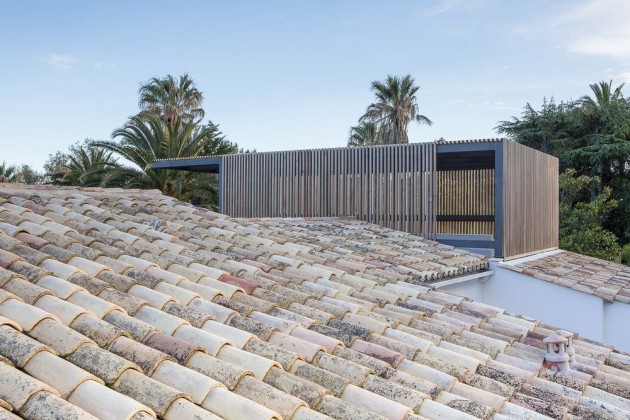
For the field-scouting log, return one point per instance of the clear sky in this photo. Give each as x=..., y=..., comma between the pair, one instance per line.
x=296, y=74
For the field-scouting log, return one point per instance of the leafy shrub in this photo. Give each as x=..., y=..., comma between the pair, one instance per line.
x=596, y=242
x=582, y=218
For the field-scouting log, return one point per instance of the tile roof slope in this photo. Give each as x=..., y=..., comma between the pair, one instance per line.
x=606, y=279
x=130, y=304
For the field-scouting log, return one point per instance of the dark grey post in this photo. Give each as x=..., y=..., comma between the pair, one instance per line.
x=221, y=185
x=498, y=199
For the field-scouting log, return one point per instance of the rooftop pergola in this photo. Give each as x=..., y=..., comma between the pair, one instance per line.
x=493, y=195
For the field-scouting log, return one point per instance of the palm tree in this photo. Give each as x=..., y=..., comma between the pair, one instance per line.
x=603, y=106
x=395, y=108
x=604, y=94
x=171, y=99
x=146, y=139
x=605, y=147
x=85, y=166
x=8, y=173
x=366, y=133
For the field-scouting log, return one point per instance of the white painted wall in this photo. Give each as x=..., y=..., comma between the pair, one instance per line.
x=554, y=305
x=472, y=289
x=617, y=324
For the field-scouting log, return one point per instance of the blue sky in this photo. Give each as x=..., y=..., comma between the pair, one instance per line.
x=296, y=74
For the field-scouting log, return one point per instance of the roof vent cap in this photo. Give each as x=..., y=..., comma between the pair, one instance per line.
x=570, y=349
x=556, y=358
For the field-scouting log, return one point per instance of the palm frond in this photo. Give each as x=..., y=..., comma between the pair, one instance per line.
x=395, y=107
x=171, y=99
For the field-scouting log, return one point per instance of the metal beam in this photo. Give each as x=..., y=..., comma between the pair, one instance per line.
x=468, y=147
x=465, y=218
x=209, y=164
x=472, y=243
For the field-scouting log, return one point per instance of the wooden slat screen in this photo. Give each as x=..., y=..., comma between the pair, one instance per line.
x=465, y=193
x=530, y=200
x=393, y=185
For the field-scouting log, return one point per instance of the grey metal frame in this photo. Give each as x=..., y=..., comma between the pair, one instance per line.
x=497, y=242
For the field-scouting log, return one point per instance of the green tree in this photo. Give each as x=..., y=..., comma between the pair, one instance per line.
x=171, y=99
x=80, y=165
x=546, y=130
x=144, y=140
x=625, y=255
x=590, y=135
x=85, y=166
x=581, y=219
x=8, y=173
x=603, y=149
x=54, y=167
x=168, y=126
x=366, y=133
x=396, y=106
x=27, y=175
x=216, y=143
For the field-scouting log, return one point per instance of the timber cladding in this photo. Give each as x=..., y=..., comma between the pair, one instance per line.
x=531, y=200
x=497, y=189
x=392, y=185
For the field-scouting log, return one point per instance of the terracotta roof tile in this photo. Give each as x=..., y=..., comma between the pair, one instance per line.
x=608, y=280
x=269, y=317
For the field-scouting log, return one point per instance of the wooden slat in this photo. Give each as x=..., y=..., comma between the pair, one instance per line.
x=531, y=200
x=392, y=185
x=466, y=192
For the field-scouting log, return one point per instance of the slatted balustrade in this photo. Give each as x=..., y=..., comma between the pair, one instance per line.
x=391, y=185
x=487, y=194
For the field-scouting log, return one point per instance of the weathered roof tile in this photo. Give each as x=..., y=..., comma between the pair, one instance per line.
x=272, y=317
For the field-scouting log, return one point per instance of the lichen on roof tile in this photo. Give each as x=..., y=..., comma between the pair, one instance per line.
x=606, y=279
x=145, y=296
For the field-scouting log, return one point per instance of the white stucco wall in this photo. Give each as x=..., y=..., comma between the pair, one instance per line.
x=554, y=305
x=472, y=289
x=617, y=324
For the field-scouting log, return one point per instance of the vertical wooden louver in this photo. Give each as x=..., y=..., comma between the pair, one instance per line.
x=466, y=202
x=531, y=201
x=488, y=194
x=393, y=185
